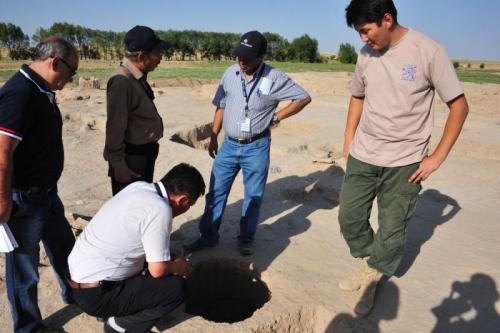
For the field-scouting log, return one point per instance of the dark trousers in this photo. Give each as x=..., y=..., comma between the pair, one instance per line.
x=136, y=303
x=396, y=199
x=140, y=159
x=36, y=217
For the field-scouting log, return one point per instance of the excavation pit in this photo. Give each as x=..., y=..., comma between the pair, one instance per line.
x=198, y=137
x=225, y=290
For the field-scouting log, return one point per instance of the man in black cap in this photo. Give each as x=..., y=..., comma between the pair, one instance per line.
x=133, y=126
x=246, y=102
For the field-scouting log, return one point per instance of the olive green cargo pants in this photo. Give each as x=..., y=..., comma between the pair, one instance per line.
x=396, y=200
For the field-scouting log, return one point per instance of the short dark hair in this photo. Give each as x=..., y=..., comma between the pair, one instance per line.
x=54, y=46
x=184, y=178
x=369, y=11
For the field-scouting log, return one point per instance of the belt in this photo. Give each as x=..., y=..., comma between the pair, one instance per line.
x=34, y=189
x=77, y=285
x=245, y=141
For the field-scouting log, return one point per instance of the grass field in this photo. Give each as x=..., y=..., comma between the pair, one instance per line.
x=212, y=70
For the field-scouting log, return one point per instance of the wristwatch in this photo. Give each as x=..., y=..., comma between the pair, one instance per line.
x=276, y=121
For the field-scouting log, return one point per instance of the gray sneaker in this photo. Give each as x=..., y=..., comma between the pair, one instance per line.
x=197, y=245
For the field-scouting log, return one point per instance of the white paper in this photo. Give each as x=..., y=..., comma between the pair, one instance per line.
x=265, y=86
x=245, y=126
x=7, y=241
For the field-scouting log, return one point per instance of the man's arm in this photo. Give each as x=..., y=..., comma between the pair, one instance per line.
x=458, y=113
x=116, y=124
x=178, y=267
x=293, y=108
x=7, y=147
x=353, y=116
x=213, y=146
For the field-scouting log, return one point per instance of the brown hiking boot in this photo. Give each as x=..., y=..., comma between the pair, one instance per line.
x=354, y=282
x=368, y=288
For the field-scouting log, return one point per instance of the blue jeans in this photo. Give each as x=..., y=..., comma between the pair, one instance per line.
x=253, y=160
x=36, y=217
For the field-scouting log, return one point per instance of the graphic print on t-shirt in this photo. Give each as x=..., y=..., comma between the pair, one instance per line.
x=409, y=73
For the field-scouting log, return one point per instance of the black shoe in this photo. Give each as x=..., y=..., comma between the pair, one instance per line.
x=197, y=245
x=101, y=319
x=247, y=248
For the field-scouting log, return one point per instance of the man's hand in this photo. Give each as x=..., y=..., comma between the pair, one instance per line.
x=428, y=165
x=5, y=209
x=213, y=146
x=456, y=118
x=181, y=267
x=123, y=174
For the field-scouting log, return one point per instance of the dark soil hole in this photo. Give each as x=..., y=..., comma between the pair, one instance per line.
x=225, y=290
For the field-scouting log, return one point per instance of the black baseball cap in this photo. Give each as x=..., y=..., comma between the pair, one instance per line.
x=252, y=45
x=141, y=38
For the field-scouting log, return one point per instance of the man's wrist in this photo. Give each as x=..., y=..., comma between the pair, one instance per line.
x=276, y=120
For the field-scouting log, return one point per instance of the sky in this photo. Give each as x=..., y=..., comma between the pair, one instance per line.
x=468, y=29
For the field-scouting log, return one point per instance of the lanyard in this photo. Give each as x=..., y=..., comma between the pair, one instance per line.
x=243, y=87
x=160, y=190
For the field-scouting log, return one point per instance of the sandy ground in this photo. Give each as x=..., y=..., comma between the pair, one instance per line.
x=447, y=282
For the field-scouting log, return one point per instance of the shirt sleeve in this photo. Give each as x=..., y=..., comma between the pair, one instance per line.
x=14, y=113
x=444, y=77
x=117, y=108
x=156, y=235
x=284, y=89
x=219, y=99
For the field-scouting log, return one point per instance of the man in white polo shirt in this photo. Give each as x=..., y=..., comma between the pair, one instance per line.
x=107, y=265
x=389, y=125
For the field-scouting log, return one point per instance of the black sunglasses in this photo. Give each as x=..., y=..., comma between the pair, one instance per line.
x=72, y=69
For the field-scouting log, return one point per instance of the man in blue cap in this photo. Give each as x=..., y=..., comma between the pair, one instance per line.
x=246, y=102
x=133, y=125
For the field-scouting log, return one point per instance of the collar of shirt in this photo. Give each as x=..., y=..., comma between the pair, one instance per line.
x=38, y=82
x=255, y=74
x=136, y=72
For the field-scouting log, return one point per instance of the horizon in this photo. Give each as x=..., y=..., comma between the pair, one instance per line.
x=478, y=39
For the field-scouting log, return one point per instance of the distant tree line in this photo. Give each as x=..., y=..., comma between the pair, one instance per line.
x=185, y=44
x=15, y=41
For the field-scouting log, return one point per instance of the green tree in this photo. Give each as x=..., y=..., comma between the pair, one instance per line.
x=304, y=49
x=13, y=38
x=277, y=46
x=347, y=54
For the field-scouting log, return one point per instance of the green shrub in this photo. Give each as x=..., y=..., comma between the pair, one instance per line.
x=347, y=54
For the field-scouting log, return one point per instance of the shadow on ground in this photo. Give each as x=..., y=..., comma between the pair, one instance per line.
x=433, y=210
x=385, y=308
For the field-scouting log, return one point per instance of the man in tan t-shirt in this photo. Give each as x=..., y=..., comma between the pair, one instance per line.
x=386, y=140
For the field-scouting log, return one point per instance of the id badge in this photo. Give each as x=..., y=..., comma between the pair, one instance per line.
x=245, y=125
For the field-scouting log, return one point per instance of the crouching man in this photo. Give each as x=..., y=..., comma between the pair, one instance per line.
x=107, y=265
